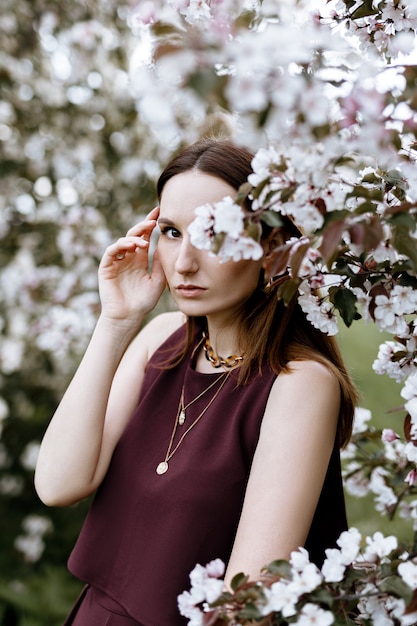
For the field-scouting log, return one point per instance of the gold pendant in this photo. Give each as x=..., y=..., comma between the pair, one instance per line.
x=162, y=468
x=181, y=418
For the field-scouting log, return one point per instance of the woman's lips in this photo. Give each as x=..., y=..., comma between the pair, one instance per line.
x=189, y=291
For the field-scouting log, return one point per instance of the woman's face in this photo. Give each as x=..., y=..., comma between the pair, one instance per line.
x=199, y=283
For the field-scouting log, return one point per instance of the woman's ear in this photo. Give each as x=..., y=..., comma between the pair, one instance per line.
x=277, y=237
x=276, y=254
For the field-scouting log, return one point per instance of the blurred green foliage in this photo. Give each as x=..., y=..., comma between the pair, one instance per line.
x=379, y=394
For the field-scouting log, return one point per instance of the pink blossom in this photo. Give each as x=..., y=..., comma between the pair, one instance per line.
x=145, y=12
x=411, y=478
x=389, y=435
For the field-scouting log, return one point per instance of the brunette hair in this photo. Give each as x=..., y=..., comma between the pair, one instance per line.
x=268, y=330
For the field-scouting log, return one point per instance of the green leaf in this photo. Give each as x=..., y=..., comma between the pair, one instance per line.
x=345, y=302
x=395, y=179
x=287, y=193
x=404, y=243
x=366, y=207
x=242, y=193
x=224, y=598
x=249, y=611
x=365, y=9
x=371, y=193
x=245, y=19
x=404, y=218
x=395, y=585
x=238, y=580
x=280, y=567
x=273, y=219
x=324, y=597
x=342, y=267
x=217, y=242
x=256, y=191
x=288, y=289
x=371, y=177
x=254, y=231
x=263, y=115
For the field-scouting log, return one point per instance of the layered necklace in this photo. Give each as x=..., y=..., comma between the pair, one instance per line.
x=217, y=361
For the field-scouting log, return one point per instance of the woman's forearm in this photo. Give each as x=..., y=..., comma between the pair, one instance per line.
x=72, y=447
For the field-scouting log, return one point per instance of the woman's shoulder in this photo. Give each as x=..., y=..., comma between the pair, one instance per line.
x=311, y=367
x=309, y=374
x=160, y=328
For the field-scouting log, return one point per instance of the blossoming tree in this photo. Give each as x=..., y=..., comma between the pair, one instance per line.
x=73, y=174
x=92, y=101
x=327, y=97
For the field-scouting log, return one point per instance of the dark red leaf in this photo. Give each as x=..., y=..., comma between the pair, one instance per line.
x=407, y=430
x=412, y=605
x=331, y=239
x=276, y=261
x=297, y=258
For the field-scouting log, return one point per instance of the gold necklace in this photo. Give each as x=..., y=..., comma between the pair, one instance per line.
x=162, y=467
x=182, y=414
x=215, y=359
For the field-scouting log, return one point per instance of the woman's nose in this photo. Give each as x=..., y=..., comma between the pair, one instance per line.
x=187, y=257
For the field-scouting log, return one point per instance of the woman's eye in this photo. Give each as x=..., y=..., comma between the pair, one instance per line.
x=170, y=232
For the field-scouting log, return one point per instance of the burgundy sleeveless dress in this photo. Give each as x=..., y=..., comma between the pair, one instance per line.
x=145, y=532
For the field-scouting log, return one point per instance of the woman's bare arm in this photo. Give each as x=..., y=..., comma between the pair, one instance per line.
x=87, y=424
x=289, y=467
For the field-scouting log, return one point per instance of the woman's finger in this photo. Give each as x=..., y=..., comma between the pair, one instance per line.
x=123, y=247
x=146, y=226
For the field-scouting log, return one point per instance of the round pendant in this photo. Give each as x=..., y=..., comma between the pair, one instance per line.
x=162, y=468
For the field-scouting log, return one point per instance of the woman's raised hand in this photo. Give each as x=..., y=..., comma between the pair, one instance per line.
x=128, y=290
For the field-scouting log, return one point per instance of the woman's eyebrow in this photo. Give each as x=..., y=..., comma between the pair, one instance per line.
x=166, y=221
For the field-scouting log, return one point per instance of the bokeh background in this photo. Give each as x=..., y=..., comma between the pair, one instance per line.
x=77, y=168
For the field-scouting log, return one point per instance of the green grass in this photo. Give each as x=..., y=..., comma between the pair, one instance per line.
x=379, y=394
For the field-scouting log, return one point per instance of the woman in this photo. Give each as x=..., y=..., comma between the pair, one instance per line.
x=194, y=455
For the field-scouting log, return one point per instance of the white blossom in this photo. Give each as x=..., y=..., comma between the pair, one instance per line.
x=299, y=559
x=378, y=546
x=228, y=217
x=313, y=615
x=408, y=572
x=361, y=419
x=386, y=317
x=349, y=543
x=187, y=607
x=385, y=496
x=281, y=596
x=319, y=314
x=206, y=586
x=386, y=362
x=409, y=393
x=307, y=579
x=333, y=568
